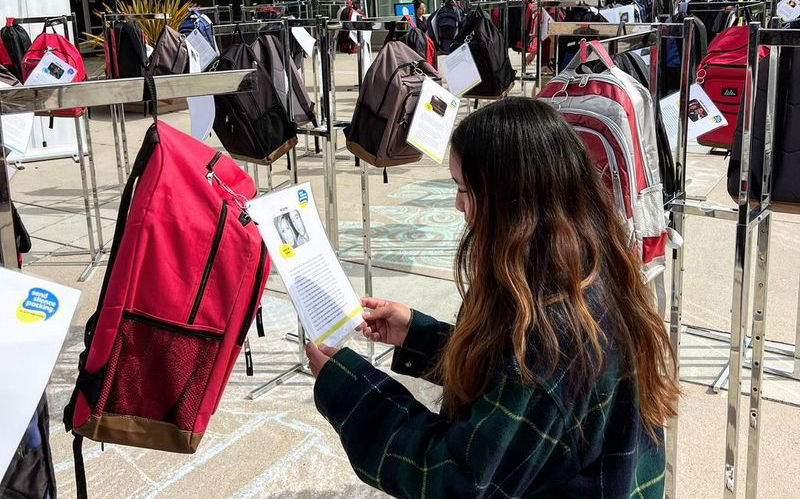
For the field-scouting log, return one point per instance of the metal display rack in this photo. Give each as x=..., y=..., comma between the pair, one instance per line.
x=303, y=7
x=215, y=11
x=118, y=110
x=81, y=130
x=749, y=219
x=40, y=98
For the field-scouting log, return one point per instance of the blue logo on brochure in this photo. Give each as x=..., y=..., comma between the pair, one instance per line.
x=39, y=305
x=302, y=196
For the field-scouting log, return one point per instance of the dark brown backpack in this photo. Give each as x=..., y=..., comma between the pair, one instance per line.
x=389, y=94
x=170, y=55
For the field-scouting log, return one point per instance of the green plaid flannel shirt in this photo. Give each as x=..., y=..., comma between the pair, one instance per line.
x=516, y=440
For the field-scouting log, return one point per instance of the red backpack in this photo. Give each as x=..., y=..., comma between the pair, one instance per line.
x=61, y=48
x=721, y=73
x=613, y=115
x=184, y=280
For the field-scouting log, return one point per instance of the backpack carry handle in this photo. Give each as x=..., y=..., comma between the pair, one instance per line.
x=583, y=54
x=54, y=21
x=238, y=32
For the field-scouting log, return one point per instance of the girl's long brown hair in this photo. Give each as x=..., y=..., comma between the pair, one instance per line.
x=542, y=230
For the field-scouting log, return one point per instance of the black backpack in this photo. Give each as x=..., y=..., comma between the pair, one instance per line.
x=30, y=474
x=568, y=45
x=126, y=56
x=634, y=65
x=445, y=25
x=344, y=43
x=17, y=42
x=489, y=52
x=252, y=126
x=673, y=51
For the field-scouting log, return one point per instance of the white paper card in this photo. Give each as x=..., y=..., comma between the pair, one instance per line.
x=644, y=54
x=625, y=13
x=148, y=50
x=433, y=120
x=201, y=113
x=545, y=25
x=35, y=316
x=460, y=70
x=298, y=246
x=194, y=59
x=17, y=129
x=305, y=40
x=51, y=70
x=789, y=10
x=703, y=114
x=205, y=51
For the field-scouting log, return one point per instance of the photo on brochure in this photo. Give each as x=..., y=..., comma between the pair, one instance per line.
x=696, y=110
x=291, y=229
x=55, y=70
x=438, y=105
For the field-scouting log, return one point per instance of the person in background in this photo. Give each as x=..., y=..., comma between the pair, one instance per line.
x=419, y=11
x=558, y=376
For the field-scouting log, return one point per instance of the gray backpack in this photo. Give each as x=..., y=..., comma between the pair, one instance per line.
x=389, y=93
x=170, y=55
x=269, y=52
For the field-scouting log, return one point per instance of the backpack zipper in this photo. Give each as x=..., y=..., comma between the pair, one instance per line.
x=210, y=262
x=251, y=307
x=394, y=73
x=174, y=328
x=612, y=162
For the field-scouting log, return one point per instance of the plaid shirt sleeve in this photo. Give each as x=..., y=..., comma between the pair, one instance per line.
x=508, y=443
x=421, y=349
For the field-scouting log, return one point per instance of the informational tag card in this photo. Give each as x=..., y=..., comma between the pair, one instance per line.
x=625, y=13
x=433, y=120
x=205, y=52
x=51, y=70
x=460, y=70
x=17, y=129
x=326, y=303
x=35, y=316
x=305, y=40
x=703, y=114
x=789, y=10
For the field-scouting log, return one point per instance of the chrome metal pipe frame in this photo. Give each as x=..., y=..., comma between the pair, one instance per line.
x=374, y=24
x=148, y=16
x=329, y=129
x=678, y=219
x=668, y=30
x=246, y=28
x=99, y=93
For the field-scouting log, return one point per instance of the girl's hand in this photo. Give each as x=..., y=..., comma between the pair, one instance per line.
x=318, y=356
x=387, y=321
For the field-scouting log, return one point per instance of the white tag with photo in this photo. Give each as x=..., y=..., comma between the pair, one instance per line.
x=298, y=246
x=205, y=51
x=35, y=316
x=433, y=120
x=51, y=70
x=17, y=129
x=704, y=116
x=460, y=70
x=789, y=10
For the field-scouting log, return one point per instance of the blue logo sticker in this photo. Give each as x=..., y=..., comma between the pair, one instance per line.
x=39, y=305
x=302, y=196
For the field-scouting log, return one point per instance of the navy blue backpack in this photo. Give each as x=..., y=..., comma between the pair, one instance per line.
x=202, y=23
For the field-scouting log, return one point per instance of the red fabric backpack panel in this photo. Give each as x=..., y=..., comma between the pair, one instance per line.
x=64, y=50
x=183, y=287
x=721, y=73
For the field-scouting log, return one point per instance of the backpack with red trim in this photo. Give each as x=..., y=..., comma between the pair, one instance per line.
x=344, y=43
x=126, y=54
x=613, y=115
x=61, y=48
x=184, y=281
x=721, y=73
x=417, y=39
x=15, y=42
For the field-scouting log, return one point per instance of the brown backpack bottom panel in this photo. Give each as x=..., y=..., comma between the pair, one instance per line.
x=360, y=153
x=273, y=156
x=139, y=432
x=502, y=95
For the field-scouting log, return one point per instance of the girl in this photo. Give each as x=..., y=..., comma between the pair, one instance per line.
x=555, y=376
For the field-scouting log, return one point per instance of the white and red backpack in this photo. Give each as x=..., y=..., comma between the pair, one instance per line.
x=613, y=114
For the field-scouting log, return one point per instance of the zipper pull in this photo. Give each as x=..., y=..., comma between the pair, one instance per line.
x=260, y=322
x=248, y=358
x=584, y=81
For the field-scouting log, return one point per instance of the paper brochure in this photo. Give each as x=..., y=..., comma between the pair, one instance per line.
x=433, y=120
x=51, y=70
x=35, y=316
x=17, y=129
x=460, y=70
x=298, y=246
x=704, y=116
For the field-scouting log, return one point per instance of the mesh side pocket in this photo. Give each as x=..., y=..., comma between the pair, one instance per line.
x=159, y=373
